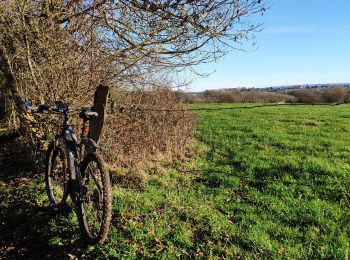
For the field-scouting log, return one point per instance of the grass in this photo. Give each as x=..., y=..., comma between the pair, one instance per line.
x=268, y=182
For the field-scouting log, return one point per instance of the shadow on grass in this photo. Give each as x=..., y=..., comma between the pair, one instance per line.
x=29, y=229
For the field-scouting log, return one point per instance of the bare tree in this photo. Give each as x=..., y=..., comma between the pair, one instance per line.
x=117, y=41
x=63, y=49
x=335, y=95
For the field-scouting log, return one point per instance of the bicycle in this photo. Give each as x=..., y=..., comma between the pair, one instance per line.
x=78, y=170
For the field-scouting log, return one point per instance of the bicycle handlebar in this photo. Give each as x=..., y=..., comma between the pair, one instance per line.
x=84, y=112
x=40, y=108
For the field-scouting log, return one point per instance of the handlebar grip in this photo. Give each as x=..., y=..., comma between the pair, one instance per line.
x=27, y=106
x=91, y=114
x=31, y=108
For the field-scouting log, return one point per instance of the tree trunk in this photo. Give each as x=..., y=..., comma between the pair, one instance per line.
x=10, y=86
x=100, y=104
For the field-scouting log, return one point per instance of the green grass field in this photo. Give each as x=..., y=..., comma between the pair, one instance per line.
x=267, y=182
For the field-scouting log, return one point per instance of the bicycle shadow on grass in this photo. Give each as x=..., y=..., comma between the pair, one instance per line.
x=29, y=229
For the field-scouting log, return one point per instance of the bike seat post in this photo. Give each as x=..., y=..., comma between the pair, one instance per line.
x=85, y=128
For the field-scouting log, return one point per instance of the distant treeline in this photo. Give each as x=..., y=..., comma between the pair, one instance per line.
x=329, y=95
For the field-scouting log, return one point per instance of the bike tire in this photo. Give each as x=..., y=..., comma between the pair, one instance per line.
x=56, y=176
x=95, y=230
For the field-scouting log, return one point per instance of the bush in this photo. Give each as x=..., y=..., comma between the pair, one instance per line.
x=330, y=95
x=235, y=96
x=312, y=96
x=335, y=95
x=139, y=129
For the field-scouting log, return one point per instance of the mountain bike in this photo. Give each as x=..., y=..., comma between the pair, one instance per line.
x=76, y=169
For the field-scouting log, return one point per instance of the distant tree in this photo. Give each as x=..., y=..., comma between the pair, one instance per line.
x=307, y=95
x=335, y=95
x=234, y=96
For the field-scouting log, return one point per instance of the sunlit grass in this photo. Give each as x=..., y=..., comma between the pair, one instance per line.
x=258, y=183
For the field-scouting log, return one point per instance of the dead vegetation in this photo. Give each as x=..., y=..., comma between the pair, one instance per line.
x=139, y=128
x=312, y=96
x=235, y=96
x=62, y=50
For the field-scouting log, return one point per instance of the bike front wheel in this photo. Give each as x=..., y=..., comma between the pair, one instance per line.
x=94, y=206
x=56, y=175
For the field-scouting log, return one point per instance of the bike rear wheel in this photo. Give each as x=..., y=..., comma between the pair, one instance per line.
x=56, y=175
x=94, y=206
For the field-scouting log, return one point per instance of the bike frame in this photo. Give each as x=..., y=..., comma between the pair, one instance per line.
x=71, y=145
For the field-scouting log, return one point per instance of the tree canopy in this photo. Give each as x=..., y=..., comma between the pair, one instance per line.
x=68, y=47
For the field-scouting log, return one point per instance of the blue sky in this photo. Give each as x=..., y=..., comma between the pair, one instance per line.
x=303, y=42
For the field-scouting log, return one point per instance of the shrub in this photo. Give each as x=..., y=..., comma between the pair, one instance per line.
x=139, y=128
x=335, y=95
x=235, y=96
x=307, y=95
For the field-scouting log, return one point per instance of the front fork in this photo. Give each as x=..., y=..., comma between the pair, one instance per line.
x=78, y=189
x=76, y=180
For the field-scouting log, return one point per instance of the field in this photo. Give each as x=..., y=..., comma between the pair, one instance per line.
x=269, y=182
